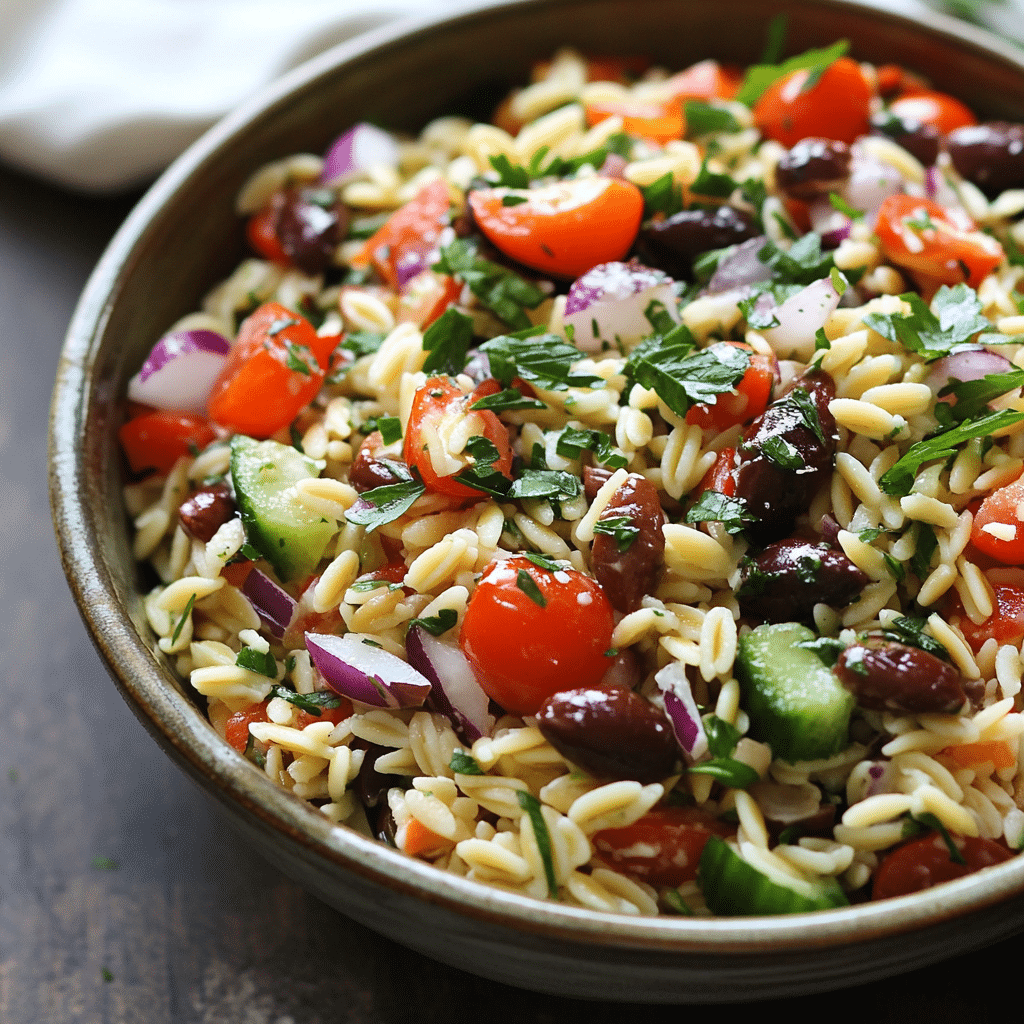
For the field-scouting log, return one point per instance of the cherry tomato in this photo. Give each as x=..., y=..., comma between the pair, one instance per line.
x=661, y=122
x=930, y=241
x=836, y=106
x=997, y=529
x=935, y=108
x=707, y=80
x=236, y=729
x=530, y=632
x=261, y=231
x=564, y=228
x=425, y=297
x=275, y=367
x=925, y=862
x=437, y=408
x=721, y=477
x=1005, y=624
x=750, y=399
x=156, y=440
x=663, y=847
x=409, y=236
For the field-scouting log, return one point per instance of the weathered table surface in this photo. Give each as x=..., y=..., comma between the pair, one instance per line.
x=122, y=896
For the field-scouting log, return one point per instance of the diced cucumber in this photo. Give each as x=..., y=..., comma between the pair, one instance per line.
x=291, y=537
x=735, y=888
x=796, y=704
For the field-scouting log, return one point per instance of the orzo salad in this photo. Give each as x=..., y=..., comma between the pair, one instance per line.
x=620, y=502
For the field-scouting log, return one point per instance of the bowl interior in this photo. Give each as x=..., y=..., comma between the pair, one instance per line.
x=184, y=237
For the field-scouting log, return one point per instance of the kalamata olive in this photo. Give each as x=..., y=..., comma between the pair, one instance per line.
x=309, y=224
x=917, y=138
x=371, y=786
x=885, y=675
x=786, y=454
x=674, y=243
x=370, y=468
x=784, y=582
x=203, y=513
x=594, y=478
x=990, y=155
x=813, y=168
x=611, y=733
x=627, y=561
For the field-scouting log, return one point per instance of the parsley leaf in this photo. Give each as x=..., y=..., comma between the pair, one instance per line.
x=930, y=821
x=728, y=771
x=972, y=396
x=622, y=528
x=497, y=288
x=542, y=561
x=722, y=736
x=900, y=479
x=257, y=661
x=447, y=340
x=781, y=452
x=540, y=358
x=389, y=501
x=526, y=583
x=663, y=195
x=362, y=343
x=437, y=624
x=760, y=76
x=509, y=400
x=312, y=703
x=531, y=805
x=464, y=764
x=827, y=648
x=574, y=441
x=803, y=263
x=911, y=631
x=545, y=483
x=186, y=612
x=925, y=543
x=953, y=318
x=713, y=507
x=712, y=183
x=703, y=119
x=482, y=476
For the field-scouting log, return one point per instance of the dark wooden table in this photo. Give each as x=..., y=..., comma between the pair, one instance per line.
x=123, y=898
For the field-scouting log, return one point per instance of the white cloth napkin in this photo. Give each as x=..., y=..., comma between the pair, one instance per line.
x=99, y=95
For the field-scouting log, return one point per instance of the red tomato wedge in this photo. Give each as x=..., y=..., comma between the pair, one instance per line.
x=751, y=397
x=721, y=477
x=1005, y=624
x=275, y=368
x=660, y=122
x=923, y=237
x=835, y=105
x=935, y=108
x=398, y=248
x=998, y=528
x=426, y=296
x=925, y=862
x=262, y=235
x=156, y=440
x=564, y=228
x=663, y=847
x=530, y=632
x=437, y=408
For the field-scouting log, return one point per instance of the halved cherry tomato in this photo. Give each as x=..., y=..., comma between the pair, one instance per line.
x=663, y=847
x=721, y=477
x=751, y=397
x=564, y=228
x=261, y=232
x=275, y=367
x=156, y=440
x=409, y=235
x=925, y=862
x=930, y=241
x=835, y=106
x=438, y=407
x=1005, y=624
x=236, y=728
x=425, y=297
x=935, y=108
x=530, y=632
x=999, y=515
x=661, y=122
x=706, y=80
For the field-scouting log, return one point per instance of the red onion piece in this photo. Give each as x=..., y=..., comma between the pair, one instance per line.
x=830, y=223
x=361, y=147
x=870, y=183
x=682, y=711
x=968, y=363
x=180, y=370
x=365, y=672
x=612, y=297
x=455, y=692
x=740, y=268
x=800, y=316
x=273, y=605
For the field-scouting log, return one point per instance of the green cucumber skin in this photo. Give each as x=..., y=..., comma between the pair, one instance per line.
x=290, y=537
x=796, y=705
x=734, y=888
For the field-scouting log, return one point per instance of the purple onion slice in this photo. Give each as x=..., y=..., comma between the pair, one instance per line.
x=972, y=362
x=455, y=692
x=180, y=370
x=800, y=317
x=682, y=712
x=272, y=604
x=365, y=672
x=361, y=147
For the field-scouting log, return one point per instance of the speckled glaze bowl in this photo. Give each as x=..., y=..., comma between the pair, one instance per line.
x=183, y=237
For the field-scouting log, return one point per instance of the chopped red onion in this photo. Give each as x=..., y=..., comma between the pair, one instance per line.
x=830, y=223
x=870, y=183
x=361, y=147
x=740, y=268
x=609, y=302
x=271, y=603
x=971, y=362
x=365, y=672
x=682, y=711
x=180, y=370
x=800, y=317
x=409, y=264
x=455, y=692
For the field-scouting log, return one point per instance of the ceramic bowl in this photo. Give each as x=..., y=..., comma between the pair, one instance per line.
x=183, y=237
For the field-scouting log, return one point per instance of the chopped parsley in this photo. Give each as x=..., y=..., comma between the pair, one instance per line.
x=437, y=624
x=362, y=343
x=542, y=561
x=508, y=400
x=528, y=585
x=722, y=736
x=728, y=771
x=545, y=483
x=386, y=503
x=312, y=703
x=621, y=528
x=915, y=824
x=531, y=805
x=574, y=441
x=447, y=340
x=663, y=195
x=481, y=475
x=539, y=358
x=760, y=76
x=972, y=396
x=911, y=631
x=301, y=359
x=714, y=507
x=256, y=661
x=925, y=543
x=703, y=119
x=827, y=648
x=464, y=764
x=781, y=452
x=181, y=621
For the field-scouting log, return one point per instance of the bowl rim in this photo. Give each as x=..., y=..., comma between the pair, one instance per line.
x=177, y=725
